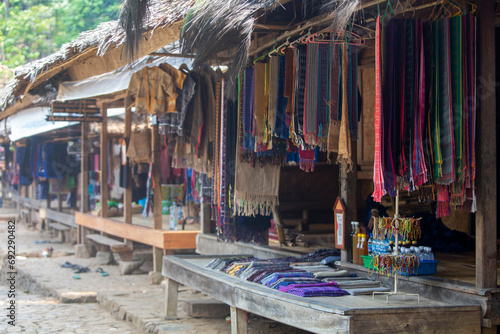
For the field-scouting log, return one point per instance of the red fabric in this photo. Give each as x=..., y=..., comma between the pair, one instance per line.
x=378, y=178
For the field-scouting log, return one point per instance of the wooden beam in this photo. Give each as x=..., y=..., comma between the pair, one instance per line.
x=180, y=239
x=127, y=196
x=171, y=293
x=486, y=173
x=84, y=179
x=24, y=103
x=157, y=205
x=77, y=58
x=157, y=210
x=104, y=161
x=157, y=238
x=349, y=195
x=239, y=321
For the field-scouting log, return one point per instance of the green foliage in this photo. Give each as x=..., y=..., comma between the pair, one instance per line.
x=37, y=28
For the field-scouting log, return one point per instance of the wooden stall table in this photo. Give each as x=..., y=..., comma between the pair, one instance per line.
x=347, y=314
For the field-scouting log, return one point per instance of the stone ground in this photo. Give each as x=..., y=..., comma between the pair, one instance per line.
x=50, y=300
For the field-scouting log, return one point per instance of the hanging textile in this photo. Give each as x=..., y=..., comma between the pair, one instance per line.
x=311, y=94
x=255, y=189
x=323, y=93
x=307, y=157
x=281, y=126
x=154, y=90
x=352, y=93
x=274, y=68
x=259, y=102
x=334, y=103
x=52, y=160
x=299, y=93
x=446, y=109
x=390, y=98
x=344, y=152
x=289, y=89
x=419, y=161
x=378, y=179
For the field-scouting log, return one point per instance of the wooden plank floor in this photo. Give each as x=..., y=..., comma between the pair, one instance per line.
x=459, y=266
x=139, y=219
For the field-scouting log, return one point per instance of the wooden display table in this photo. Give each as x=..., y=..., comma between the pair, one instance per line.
x=347, y=314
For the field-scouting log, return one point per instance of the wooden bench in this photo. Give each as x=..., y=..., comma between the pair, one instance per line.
x=62, y=222
x=105, y=244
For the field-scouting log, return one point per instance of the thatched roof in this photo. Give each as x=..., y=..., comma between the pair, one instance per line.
x=106, y=36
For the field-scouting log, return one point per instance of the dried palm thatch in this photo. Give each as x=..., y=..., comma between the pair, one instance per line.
x=106, y=36
x=341, y=12
x=220, y=25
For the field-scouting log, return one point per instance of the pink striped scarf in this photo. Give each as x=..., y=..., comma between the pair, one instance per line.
x=378, y=178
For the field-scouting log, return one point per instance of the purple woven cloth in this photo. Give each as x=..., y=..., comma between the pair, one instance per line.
x=287, y=288
x=318, y=291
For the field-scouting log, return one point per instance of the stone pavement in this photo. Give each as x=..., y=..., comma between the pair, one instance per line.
x=51, y=300
x=39, y=314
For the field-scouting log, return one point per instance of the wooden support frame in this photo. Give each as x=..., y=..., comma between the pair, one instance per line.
x=239, y=321
x=486, y=215
x=349, y=195
x=171, y=293
x=84, y=180
x=104, y=161
x=127, y=197
x=157, y=207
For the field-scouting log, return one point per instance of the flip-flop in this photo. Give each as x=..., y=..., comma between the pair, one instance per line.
x=76, y=277
x=100, y=270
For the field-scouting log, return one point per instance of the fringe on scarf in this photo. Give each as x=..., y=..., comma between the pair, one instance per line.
x=254, y=204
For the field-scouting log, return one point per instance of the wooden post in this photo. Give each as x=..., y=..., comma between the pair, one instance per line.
x=157, y=209
x=127, y=197
x=171, y=290
x=84, y=180
x=238, y=321
x=486, y=157
x=104, y=161
x=205, y=221
x=349, y=195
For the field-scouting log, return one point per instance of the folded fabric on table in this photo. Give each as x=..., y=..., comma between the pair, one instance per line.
x=338, y=273
x=318, y=291
x=276, y=276
x=293, y=280
x=306, y=284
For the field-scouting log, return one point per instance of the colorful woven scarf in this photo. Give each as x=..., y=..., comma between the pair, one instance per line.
x=311, y=94
x=323, y=92
x=445, y=105
x=379, y=189
x=344, y=154
x=299, y=92
x=390, y=140
x=352, y=92
x=259, y=101
x=280, y=127
x=274, y=64
x=419, y=166
x=248, y=99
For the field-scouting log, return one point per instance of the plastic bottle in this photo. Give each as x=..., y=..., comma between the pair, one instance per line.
x=431, y=254
x=180, y=215
x=358, y=257
x=364, y=246
x=370, y=245
x=173, y=217
x=355, y=243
